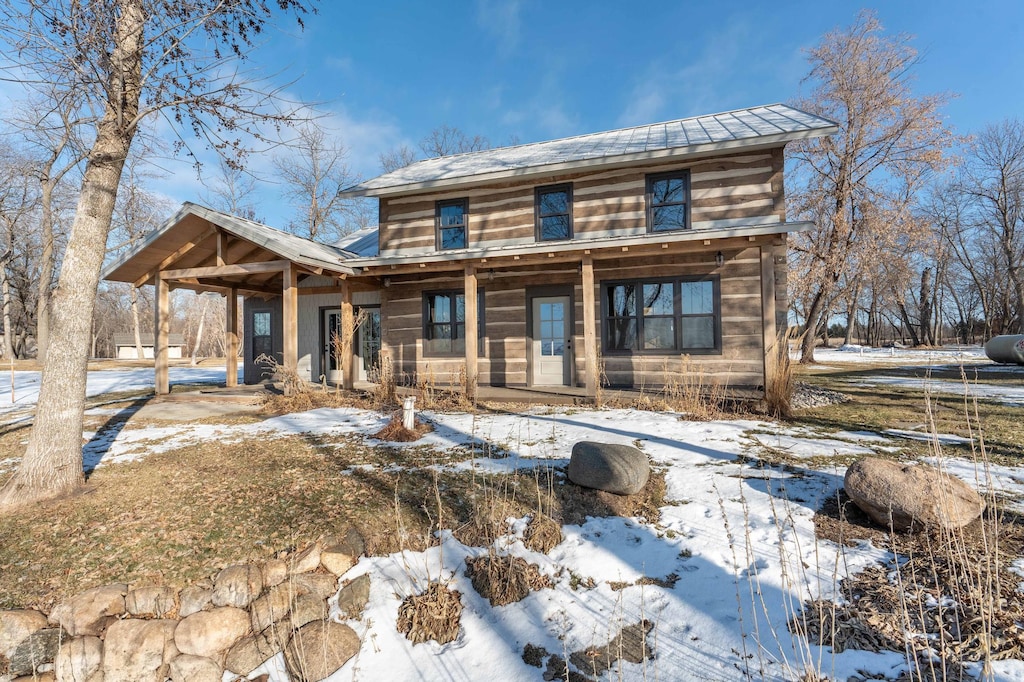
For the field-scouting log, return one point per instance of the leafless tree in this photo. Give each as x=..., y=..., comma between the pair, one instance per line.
x=130, y=60
x=233, y=190
x=446, y=140
x=396, y=158
x=18, y=202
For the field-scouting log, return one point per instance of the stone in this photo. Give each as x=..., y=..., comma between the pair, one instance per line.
x=89, y=612
x=135, y=649
x=305, y=609
x=194, y=599
x=632, y=644
x=35, y=651
x=353, y=597
x=340, y=556
x=186, y=668
x=305, y=561
x=275, y=571
x=150, y=601
x=38, y=677
x=211, y=633
x=618, y=469
x=911, y=496
x=252, y=651
x=79, y=660
x=15, y=627
x=319, y=649
x=324, y=585
x=237, y=586
x=271, y=607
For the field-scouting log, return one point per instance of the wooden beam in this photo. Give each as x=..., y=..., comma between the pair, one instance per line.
x=589, y=327
x=472, y=315
x=352, y=286
x=768, y=313
x=231, y=338
x=185, y=248
x=221, y=286
x=229, y=270
x=348, y=341
x=222, y=246
x=289, y=291
x=161, y=323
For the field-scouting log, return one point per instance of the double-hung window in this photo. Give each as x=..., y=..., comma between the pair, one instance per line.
x=444, y=322
x=660, y=316
x=451, y=219
x=668, y=201
x=554, y=212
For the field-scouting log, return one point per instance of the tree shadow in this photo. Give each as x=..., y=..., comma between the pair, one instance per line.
x=99, y=445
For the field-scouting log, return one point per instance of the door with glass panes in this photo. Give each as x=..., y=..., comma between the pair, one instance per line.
x=551, y=341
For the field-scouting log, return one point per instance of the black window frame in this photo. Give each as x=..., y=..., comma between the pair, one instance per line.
x=678, y=316
x=428, y=351
x=438, y=228
x=538, y=216
x=269, y=351
x=652, y=178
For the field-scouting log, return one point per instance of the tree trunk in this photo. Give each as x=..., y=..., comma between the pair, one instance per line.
x=199, y=331
x=926, y=307
x=811, y=331
x=851, y=313
x=46, y=265
x=52, y=464
x=134, y=299
x=5, y=288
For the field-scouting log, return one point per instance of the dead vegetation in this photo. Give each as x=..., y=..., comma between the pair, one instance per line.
x=432, y=615
x=394, y=431
x=504, y=579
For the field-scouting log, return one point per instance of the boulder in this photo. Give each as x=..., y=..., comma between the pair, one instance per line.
x=211, y=633
x=186, y=668
x=252, y=651
x=271, y=607
x=305, y=609
x=319, y=649
x=342, y=555
x=150, y=601
x=79, y=660
x=36, y=651
x=194, y=599
x=237, y=586
x=324, y=585
x=89, y=612
x=137, y=650
x=305, y=561
x=619, y=469
x=353, y=597
x=15, y=627
x=911, y=496
x=274, y=572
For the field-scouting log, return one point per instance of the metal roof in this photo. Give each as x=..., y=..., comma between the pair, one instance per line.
x=361, y=243
x=763, y=125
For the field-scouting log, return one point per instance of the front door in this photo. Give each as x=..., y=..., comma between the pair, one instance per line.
x=552, y=341
x=331, y=344
x=369, y=344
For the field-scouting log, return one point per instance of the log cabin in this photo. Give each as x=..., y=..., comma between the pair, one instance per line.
x=629, y=258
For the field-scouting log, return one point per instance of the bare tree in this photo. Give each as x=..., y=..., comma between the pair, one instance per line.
x=18, y=201
x=130, y=59
x=446, y=140
x=396, y=158
x=233, y=191
x=865, y=177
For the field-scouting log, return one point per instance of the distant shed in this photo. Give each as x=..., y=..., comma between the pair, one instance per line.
x=124, y=346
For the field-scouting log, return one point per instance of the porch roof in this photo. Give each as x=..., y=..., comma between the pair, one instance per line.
x=770, y=125
x=187, y=240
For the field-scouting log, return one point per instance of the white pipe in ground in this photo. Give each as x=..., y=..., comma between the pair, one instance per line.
x=409, y=413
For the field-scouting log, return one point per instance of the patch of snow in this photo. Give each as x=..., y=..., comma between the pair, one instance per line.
x=941, y=438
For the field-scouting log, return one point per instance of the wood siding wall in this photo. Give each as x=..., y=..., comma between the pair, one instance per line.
x=737, y=189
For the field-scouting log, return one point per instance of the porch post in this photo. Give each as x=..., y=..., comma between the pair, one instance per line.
x=348, y=340
x=768, y=312
x=161, y=324
x=472, y=315
x=231, y=339
x=589, y=327
x=290, y=308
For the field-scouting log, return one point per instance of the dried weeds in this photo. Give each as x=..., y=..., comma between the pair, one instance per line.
x=433, y=615
x=504, y=579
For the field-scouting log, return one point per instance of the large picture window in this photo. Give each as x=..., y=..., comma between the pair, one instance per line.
x=554, y=213
x=660, y=316
x=668, y=201
x=451, y=218
x=262, y=337
x=444, y=323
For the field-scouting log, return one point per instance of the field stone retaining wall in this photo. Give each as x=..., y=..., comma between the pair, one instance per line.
x=234, y=621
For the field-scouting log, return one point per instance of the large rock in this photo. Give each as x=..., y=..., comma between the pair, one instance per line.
x=274, y=572
x=305, y=609
x=319, y=649
x=911, y=496
x=136, y=650
x=324, y=585
x=271, y=607
x=89, y=612
x=187, y=668
x=237, y=586
x=619, y=469
x=16, y=626
x=151, y=601
x=35, y=651
x=353, y=597
x=253, y=651
x=305, y=561
x=342, y=555
x=80, y=660
x=194, y=599
x=211, y=633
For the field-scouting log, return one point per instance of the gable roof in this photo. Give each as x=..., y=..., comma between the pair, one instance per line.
x=362, y=243
x=759, y=126
x=166, y=239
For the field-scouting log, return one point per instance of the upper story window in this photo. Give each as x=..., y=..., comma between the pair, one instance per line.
x=451, y=221
x=668, y=201
x=662, y=316
x=554, y=212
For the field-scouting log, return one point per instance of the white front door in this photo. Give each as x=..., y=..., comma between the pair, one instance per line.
x=331, y=344
x=551, y=347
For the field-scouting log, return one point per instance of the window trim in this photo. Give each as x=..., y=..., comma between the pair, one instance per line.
x=651, y=178
x=678, y=316
x=551, y=189
x=253, y=336
x=425, y=322
x=438, y=205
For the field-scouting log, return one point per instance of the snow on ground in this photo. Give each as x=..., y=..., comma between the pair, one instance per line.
x=858, y=354
x=1002, y=393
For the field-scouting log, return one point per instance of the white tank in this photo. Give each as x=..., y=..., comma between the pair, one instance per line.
x=1007, y=349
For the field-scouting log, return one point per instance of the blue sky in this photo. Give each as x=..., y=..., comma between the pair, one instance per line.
x=388, y=73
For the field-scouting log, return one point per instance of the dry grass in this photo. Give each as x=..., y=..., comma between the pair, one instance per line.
x=395, y=432
x=778, y=393
x=433, y=615
x=504, y=579
x=542, y=534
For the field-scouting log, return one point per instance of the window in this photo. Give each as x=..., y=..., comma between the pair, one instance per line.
x=262, y=343
x=662, y=316
x=451, y=224
x=668, y=201
x=444, y=323
x=554, y=213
